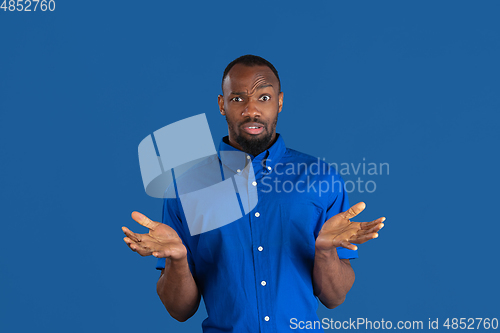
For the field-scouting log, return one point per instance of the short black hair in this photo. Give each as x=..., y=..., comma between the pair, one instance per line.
x=250, y=60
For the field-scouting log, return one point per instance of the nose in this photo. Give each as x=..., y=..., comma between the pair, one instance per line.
x=251, y=110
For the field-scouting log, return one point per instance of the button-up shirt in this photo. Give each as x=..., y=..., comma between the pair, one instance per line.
x=255, y=274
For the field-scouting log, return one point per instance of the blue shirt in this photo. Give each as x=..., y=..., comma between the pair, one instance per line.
x=255, y=274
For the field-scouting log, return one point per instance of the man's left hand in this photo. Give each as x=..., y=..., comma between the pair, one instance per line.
x=339, y=231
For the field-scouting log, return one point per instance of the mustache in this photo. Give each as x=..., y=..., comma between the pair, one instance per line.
x=255, y=120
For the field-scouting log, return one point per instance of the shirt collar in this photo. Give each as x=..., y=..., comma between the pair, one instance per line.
x=267, y=159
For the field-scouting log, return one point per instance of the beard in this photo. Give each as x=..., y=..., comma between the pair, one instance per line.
x=257, y=145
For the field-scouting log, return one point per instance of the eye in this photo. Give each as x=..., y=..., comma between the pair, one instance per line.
x=265, y=98
x=236, y=99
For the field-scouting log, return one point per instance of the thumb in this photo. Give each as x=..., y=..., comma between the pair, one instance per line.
x=354, y=210
x=144, y=220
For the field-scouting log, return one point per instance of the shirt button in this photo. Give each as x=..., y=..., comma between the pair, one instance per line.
x=266, y=318
x=257, y=214
x=263, y=283
x=248, y=157
x=254, y=183
x=238, y=170
x=269, y=168
x=260, y=248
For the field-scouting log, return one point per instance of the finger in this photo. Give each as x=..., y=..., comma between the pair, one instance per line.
x=128, y=240
x=373, y=229
x=354, y=210
x=348, y=245
x=142, y=250
x=144, y=220
x=150, y=246
x=162, y=254
x=369, y=225
x=130, y=244
x=364, y=238
x=132, y=235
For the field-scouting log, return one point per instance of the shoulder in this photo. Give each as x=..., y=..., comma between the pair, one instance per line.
x=295, y=154
x=194, y=176
x=315, y=164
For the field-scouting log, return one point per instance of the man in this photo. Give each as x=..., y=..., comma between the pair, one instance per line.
x=259, y=272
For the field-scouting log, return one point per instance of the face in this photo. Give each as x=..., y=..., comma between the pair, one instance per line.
x=251, y=103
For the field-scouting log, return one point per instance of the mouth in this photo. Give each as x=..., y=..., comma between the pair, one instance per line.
x=253, y=128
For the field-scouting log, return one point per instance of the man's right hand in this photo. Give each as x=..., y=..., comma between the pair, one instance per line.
x=162, y=241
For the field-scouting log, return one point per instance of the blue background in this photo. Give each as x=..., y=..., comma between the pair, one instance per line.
x=412, y=84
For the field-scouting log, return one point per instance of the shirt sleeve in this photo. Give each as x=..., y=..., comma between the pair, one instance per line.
x=171, y=216
x=339, y=202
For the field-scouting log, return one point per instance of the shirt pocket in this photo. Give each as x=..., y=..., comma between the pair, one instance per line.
x=298, y=222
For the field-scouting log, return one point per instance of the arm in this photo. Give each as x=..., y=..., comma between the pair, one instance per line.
x=178, y=290
x=334, y=277
x=176, y=287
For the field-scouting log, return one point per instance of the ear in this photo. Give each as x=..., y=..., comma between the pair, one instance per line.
x=280, y=101
x=220, y=100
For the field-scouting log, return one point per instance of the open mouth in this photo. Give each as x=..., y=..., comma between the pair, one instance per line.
x=253, y=128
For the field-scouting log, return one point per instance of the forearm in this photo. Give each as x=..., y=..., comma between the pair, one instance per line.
x=178, y=290
x=332, y=278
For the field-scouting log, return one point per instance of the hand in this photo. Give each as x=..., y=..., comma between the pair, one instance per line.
x=338, y=231
x=162, y=241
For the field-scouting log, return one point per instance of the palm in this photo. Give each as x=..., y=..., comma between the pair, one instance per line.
x=161, y=234
x=161, y=241
x=339, y=231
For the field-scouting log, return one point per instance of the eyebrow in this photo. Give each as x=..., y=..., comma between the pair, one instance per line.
x=244, y=92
